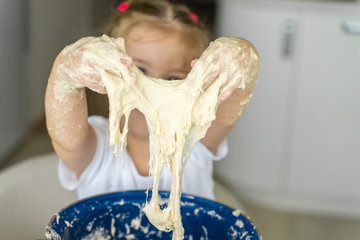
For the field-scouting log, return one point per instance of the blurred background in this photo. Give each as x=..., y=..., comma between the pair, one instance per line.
x=294, y=155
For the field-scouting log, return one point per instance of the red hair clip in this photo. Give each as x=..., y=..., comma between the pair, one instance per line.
x=194, y=17
x=123, y=6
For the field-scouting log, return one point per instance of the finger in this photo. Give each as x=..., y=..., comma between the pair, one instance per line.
x=226, y=94
x=193, y=62
x=111, y=73
x=210, y=79
x=127, y=61
x=227, y=90
x=98, y=88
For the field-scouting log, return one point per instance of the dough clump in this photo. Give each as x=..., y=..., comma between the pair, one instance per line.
x=178, y=113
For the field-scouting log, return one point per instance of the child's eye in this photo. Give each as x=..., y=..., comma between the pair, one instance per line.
x=143, y=70
x=173, y=78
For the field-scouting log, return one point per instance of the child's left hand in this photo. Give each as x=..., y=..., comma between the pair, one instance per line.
x=234, y=63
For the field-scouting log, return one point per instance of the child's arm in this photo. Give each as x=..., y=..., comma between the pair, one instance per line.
x=75, y=68
x=72, y=137
x=235, y=99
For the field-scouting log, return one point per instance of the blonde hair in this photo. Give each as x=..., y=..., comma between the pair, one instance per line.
x=161, y=14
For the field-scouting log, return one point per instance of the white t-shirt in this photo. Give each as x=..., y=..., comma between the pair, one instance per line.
x=108, y=173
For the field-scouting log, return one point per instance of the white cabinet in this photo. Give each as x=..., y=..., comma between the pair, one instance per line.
x=297, y=145
x=260, y=132
x=325, y=152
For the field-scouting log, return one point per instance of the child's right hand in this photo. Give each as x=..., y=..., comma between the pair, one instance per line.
x=83, y=63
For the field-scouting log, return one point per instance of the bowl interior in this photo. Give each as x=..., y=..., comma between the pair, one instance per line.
x=119, y=215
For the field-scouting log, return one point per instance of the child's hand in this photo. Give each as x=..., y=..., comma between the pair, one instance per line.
x=83, y=63
x=242, y=69
x=232, y=63
x=227, y=72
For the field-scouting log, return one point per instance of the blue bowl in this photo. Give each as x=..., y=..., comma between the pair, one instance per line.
x=119, y=216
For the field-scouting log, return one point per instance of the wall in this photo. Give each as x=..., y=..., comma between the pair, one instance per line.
x=53, y=25
x=13, y=78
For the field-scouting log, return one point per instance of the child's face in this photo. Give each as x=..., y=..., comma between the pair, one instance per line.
x=159, y=54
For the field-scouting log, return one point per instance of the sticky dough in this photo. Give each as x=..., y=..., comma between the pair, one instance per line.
x=178, y=114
